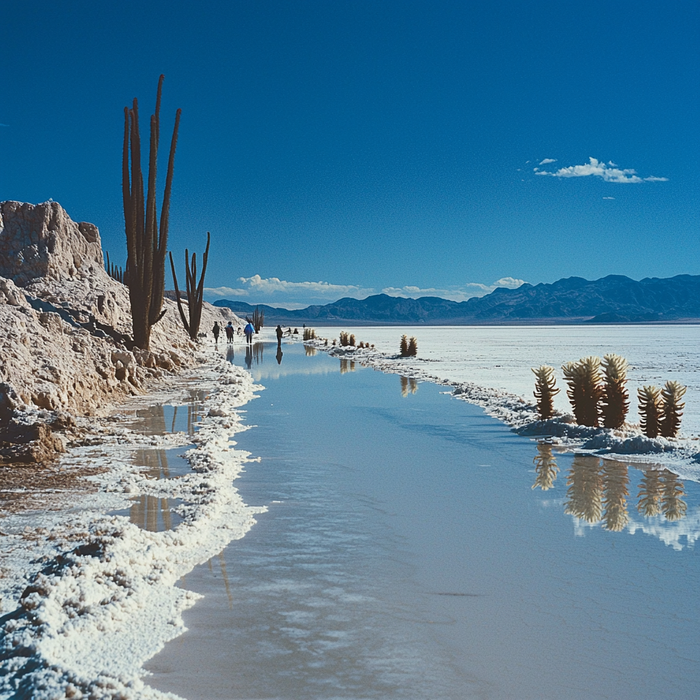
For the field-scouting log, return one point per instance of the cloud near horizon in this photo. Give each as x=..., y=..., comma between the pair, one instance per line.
x=609, y=172
x=295, y=295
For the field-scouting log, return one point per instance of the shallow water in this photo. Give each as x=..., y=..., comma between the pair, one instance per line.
x=406, y=554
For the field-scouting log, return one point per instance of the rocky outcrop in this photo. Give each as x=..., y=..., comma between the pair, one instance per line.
x=65, y=328
x=41, y=241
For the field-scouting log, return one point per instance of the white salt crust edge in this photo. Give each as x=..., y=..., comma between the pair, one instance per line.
x=680, y=455
x=92, y=622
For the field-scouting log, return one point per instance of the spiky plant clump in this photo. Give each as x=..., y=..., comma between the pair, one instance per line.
x=615, y=404
x=545, y=391
x=403, y=347
x=309, y=334
x=351, y=339
x=412, y=349
x=585, y=389
x=671, y=395
x=344, y=338
x=650, y=410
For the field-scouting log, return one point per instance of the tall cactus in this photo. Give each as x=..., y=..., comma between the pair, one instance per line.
x=195, y=292
x=650, y=410
x=146, y=240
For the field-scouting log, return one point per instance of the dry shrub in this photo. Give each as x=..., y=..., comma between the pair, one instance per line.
x=403, y=346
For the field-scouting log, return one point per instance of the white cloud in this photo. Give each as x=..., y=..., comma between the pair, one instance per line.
x=274, y=291
x=457, y=293
x=608, y=197
x=296, y=295
x=606, y=171
x=546, y=161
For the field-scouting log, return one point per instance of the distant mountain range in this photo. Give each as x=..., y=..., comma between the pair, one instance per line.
x=612, y=299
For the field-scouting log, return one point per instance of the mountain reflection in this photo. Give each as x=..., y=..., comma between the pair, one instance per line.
x=598, y=490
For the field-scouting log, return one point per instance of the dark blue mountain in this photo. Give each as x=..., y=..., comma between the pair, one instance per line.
x=612, y=299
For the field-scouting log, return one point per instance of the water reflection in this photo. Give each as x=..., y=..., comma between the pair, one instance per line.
x=230, y=355
x=279, y=355
x=154, y=514
x=224, y=575
x=346, y=366
x=545, y=467
x=598, y=489
x=408, y=384
x=310, y=351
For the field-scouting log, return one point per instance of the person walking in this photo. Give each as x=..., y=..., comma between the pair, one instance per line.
x=249, y=330
x=229, y=332
x=216, y=330
x=279, y=333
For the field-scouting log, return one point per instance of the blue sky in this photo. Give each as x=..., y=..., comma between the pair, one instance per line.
x=342, y=148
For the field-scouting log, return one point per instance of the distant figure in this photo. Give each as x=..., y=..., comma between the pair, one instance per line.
x=279, y=333
x=229, y=332
x=216, y=330
x=249, y=330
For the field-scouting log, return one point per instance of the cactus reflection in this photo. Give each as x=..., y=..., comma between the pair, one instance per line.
x=346, y=366
x=598, y=489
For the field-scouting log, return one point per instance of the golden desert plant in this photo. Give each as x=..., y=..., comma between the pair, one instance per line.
x=671, y=396
x=545, y=391
x=403, y=346
x=412, y=347
x=650, y=410
x=585, y=389
x=615, y=404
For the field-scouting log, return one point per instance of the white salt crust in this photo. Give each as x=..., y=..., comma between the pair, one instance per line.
x=106, y=600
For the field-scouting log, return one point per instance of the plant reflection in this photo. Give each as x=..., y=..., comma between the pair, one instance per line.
x=545, y=467
x=408, y=385
x=346, y=366
x=310, y=351
x=598, y=489
x=585, y=492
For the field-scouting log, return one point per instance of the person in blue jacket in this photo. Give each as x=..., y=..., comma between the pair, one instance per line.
x=249, y=330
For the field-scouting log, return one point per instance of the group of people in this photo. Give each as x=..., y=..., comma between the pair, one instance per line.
x=249, y=331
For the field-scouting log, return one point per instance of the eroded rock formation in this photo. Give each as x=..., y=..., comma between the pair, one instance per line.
x=65, y=328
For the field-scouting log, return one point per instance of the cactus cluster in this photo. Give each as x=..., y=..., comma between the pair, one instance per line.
x=408, y=347
x=598, y=393
x=146, y=238
x=195, y=292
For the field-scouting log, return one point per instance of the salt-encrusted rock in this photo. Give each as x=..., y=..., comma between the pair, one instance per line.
x=42, y=241
x=65, y=324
